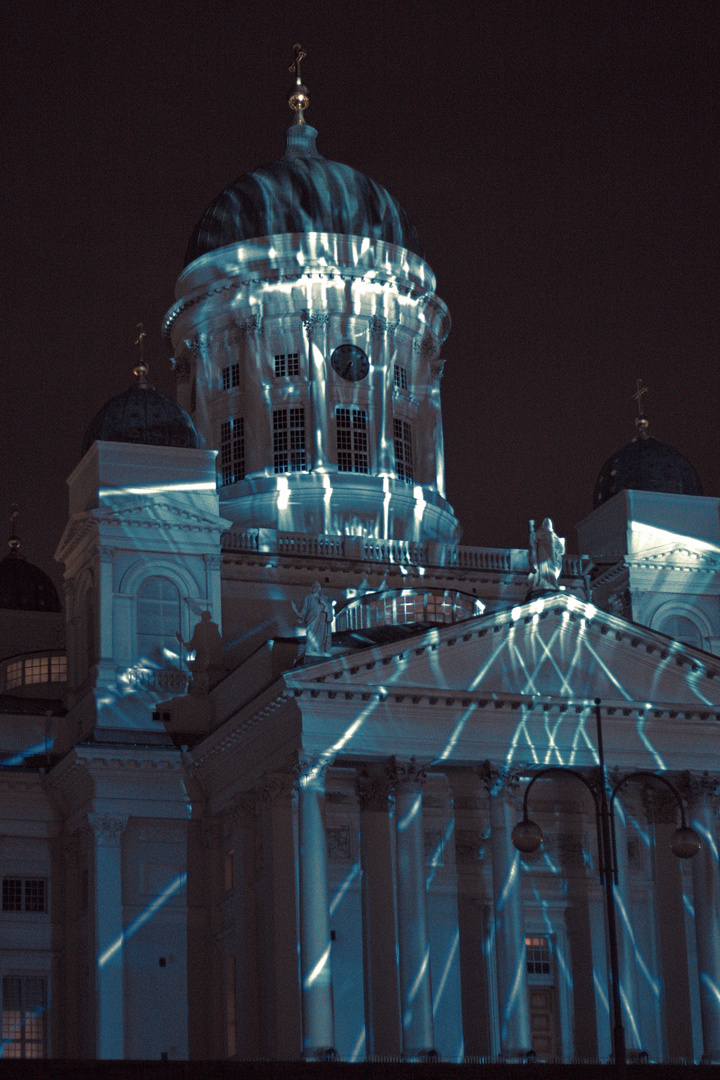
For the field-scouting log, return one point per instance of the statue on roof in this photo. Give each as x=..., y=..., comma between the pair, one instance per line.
x=316, y=616
x=546, y=558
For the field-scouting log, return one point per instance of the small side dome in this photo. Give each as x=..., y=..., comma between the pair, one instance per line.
x=24, y=587
x=142, y=415
x=646, y=464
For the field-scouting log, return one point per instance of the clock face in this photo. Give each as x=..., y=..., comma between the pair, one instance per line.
x=350, y=363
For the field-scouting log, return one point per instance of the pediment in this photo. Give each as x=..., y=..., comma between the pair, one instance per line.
x=164, y=512
x=553, y=647
x=706, y=556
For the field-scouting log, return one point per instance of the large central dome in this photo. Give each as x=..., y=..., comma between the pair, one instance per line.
x=301, y=193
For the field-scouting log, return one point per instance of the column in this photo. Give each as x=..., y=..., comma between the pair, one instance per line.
x=108, y=912
x=382, y=1003
x=315, y=947
x=706, y=898
x=416, y=1004
x=627, y=945
x=511, y=962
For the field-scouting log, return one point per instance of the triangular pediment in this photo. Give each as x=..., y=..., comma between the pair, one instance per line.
x=164, y=512
x=553, y=647
x=705, y=556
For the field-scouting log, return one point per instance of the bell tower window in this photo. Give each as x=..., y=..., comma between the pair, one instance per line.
x=232, y=450
x=158, y=621
x=403, y=450
x=287, y=364
x=289, y=454
x=352, y=440
x=231, y=376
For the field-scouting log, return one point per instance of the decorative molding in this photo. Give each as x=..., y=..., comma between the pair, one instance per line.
x=252, y=325
x=278, y=789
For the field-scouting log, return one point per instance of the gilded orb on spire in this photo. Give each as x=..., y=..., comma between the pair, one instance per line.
x=141, y=369
x=298, y=99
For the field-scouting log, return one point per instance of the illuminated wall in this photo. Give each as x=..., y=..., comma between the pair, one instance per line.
x=311, y=362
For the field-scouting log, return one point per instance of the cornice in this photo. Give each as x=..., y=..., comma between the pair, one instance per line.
x=225, y=739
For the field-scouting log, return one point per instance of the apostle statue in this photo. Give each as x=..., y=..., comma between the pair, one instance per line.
x=316, y=616
x=206, y=643
x=546, y=558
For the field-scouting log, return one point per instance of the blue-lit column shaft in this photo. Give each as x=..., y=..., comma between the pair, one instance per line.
x=315, y=949
x=416, y=1005
x=511, y=960
x=706, y=897
x=109, y=1004
x=627, y=947
x=382, y=1008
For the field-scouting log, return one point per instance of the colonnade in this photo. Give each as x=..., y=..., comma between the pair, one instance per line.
x=399, y=785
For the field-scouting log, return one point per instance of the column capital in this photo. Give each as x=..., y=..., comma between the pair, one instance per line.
x=405, y=772
x=108, y=829
x=499, y=781
x=698, y=788
x=277, y=788
x=374, y=792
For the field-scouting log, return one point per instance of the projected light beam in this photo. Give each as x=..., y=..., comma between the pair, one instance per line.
x=162, y=898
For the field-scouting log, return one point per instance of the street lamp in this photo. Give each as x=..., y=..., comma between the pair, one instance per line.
x=527, y=837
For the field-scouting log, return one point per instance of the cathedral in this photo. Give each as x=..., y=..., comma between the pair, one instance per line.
x=292, y=773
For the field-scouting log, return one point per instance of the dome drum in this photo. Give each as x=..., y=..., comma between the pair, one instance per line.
x=284, y=274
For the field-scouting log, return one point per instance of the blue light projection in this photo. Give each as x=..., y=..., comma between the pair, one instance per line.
x=21, y=757
x=154, y=906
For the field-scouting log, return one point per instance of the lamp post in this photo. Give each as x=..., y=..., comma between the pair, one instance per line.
x=527, y=837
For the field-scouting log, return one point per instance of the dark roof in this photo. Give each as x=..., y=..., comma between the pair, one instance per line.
x=142, y=415
x=24, y=587
x=646, y=464
x=302, y=192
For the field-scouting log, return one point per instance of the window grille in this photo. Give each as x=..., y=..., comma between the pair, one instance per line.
x=403, y=450
x=231, y=376
x=232, y=450
x=24, y=894
x=24, y=1000
x=537, y=950
x=352, y=440
x=289, y=440
x=400, y=377
x=287, y=364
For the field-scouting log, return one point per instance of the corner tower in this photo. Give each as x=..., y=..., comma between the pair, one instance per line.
x=307, y=335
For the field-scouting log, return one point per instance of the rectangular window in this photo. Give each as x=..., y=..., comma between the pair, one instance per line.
x=289, y=440
x=14, y=674
x=287, y=364
x=36, y=670
x=352, y=440
x=232, y=450
x=58, y=669
x=24, y=894
x=400, y=377
x=403, y=450
x=24, y=1000
x=537, y=949
x=231, y=376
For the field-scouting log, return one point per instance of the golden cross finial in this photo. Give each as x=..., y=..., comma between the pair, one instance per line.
x=300, y=54
x=142, y=369
x=638, y=395
x=641, y=422
x=13, y=542
x=299, y=98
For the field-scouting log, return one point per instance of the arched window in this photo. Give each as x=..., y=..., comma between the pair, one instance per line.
x=681, y=628
x=158, y=621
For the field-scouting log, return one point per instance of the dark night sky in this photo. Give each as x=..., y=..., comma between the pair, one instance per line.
x=559, y=160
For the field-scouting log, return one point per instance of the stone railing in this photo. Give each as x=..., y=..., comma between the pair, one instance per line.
x=403, y=552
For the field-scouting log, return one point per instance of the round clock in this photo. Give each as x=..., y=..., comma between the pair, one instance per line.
x=350, y=363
